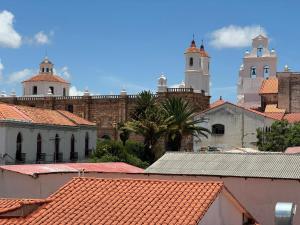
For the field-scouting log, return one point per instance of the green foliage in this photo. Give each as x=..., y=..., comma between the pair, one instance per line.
x=145, y=100
x=124, y=133
x=114, y=151
x=281, y=135
x=182, y=122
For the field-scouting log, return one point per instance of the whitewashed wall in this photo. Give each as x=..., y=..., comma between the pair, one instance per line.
x=29, y=143
x=237, y=122
x=43, y=88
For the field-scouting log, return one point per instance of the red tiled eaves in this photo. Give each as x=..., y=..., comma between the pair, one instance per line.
x=46, y=78
x=125, y=201
x=40, y=116
x=7, y=205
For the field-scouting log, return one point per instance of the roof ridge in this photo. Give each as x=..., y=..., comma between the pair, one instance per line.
x=231, y=153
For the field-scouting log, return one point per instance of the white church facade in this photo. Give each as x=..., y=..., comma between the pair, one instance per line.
x=258, y=64
x=197, y=75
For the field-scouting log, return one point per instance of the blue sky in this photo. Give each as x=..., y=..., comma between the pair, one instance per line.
x=110, y=45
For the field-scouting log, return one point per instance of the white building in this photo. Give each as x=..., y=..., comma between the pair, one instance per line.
x=259, y=64
x=34, y=135
x=197, y=74
x=197, y=68
x=46, y=83
x=232, y=126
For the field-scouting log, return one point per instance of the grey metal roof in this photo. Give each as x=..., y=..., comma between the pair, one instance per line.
x=261, y=165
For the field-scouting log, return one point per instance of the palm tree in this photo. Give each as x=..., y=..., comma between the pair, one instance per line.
x=151, y=127
x=183, y=122
x=144, y=100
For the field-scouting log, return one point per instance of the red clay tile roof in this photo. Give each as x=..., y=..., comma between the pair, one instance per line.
x=39, y=116
x=7, y=205
x=216, y=103
x=269, y=86
x=125, y=201
x=47, y=78
x=292, y=117
x=193, y=49
x=109, y=167
x=276, y=116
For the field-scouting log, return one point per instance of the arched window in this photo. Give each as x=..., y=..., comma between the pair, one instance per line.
x=191, y=61
x=39, y=148
x=20, y=157
x=253, y=72
x=43, y=70
x=260, y=51
x=47, y=70
x=218, y=129
x=34, y=90
x=266, y=71
x=86, y=144
x=70, y=108
x=56, y=148
x=52, y=89
x=64, y=92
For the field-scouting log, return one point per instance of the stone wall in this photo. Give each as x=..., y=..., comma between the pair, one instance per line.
x=108, y=110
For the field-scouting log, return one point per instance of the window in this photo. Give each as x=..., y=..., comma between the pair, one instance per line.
x=86, y=144
x=47, y=70
x=191, y=61
x=34, y=90
x=266, y=71
x=200, y=63
x=64, y=92
x=73, y=156
x=52, y=89
x=43, y=70
x=19, y=155
x=38, y=147
x=253, y=72
x=56, y=146
x=218, y=129
x=70, y=108
x=260, y=51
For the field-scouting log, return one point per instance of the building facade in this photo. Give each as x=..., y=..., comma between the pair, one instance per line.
x=231, y=127
x=32, y=135
x=258, y=64
x=46, y=82
x=197, y=75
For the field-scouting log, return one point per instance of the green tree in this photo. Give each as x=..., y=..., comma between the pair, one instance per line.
x=182, y=122
x=124, y=133
x=151, y=126
x=280, y=136
x=145, y=100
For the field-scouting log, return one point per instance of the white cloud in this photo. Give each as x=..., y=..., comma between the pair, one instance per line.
x=64, y=72
x=19, y=75
x=235, y=36
x=1, y=70
x=74, y=92
x=41, y=38
x=9, y=38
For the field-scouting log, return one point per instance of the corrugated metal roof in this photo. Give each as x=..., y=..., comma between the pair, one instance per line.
x=110, y=167
x=261, y=165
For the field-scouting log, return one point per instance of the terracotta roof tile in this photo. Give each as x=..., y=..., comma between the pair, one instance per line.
x=40, y=116
x=216, y=103
x=125, y=201
x=47, y=78
x=269, y=86
x=7, y=205
x=292, y=117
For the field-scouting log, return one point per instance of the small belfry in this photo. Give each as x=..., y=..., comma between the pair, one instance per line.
x=46, y=66
x=258, y=64
x=197, y=74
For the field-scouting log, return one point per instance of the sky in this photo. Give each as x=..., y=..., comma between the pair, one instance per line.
x=105, y=46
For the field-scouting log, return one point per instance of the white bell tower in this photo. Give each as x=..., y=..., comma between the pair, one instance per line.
x=259, y=64
x=197, y=68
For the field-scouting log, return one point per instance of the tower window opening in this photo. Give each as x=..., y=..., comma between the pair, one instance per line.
x=253, y=72
x=43, y=70
x=47, y=70
x=260, y=51
x=266, y=71
x=191, y=61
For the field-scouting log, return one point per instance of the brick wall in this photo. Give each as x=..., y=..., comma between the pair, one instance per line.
x=107, y=110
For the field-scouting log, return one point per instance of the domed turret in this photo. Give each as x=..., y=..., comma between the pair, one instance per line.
x=162, y=84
